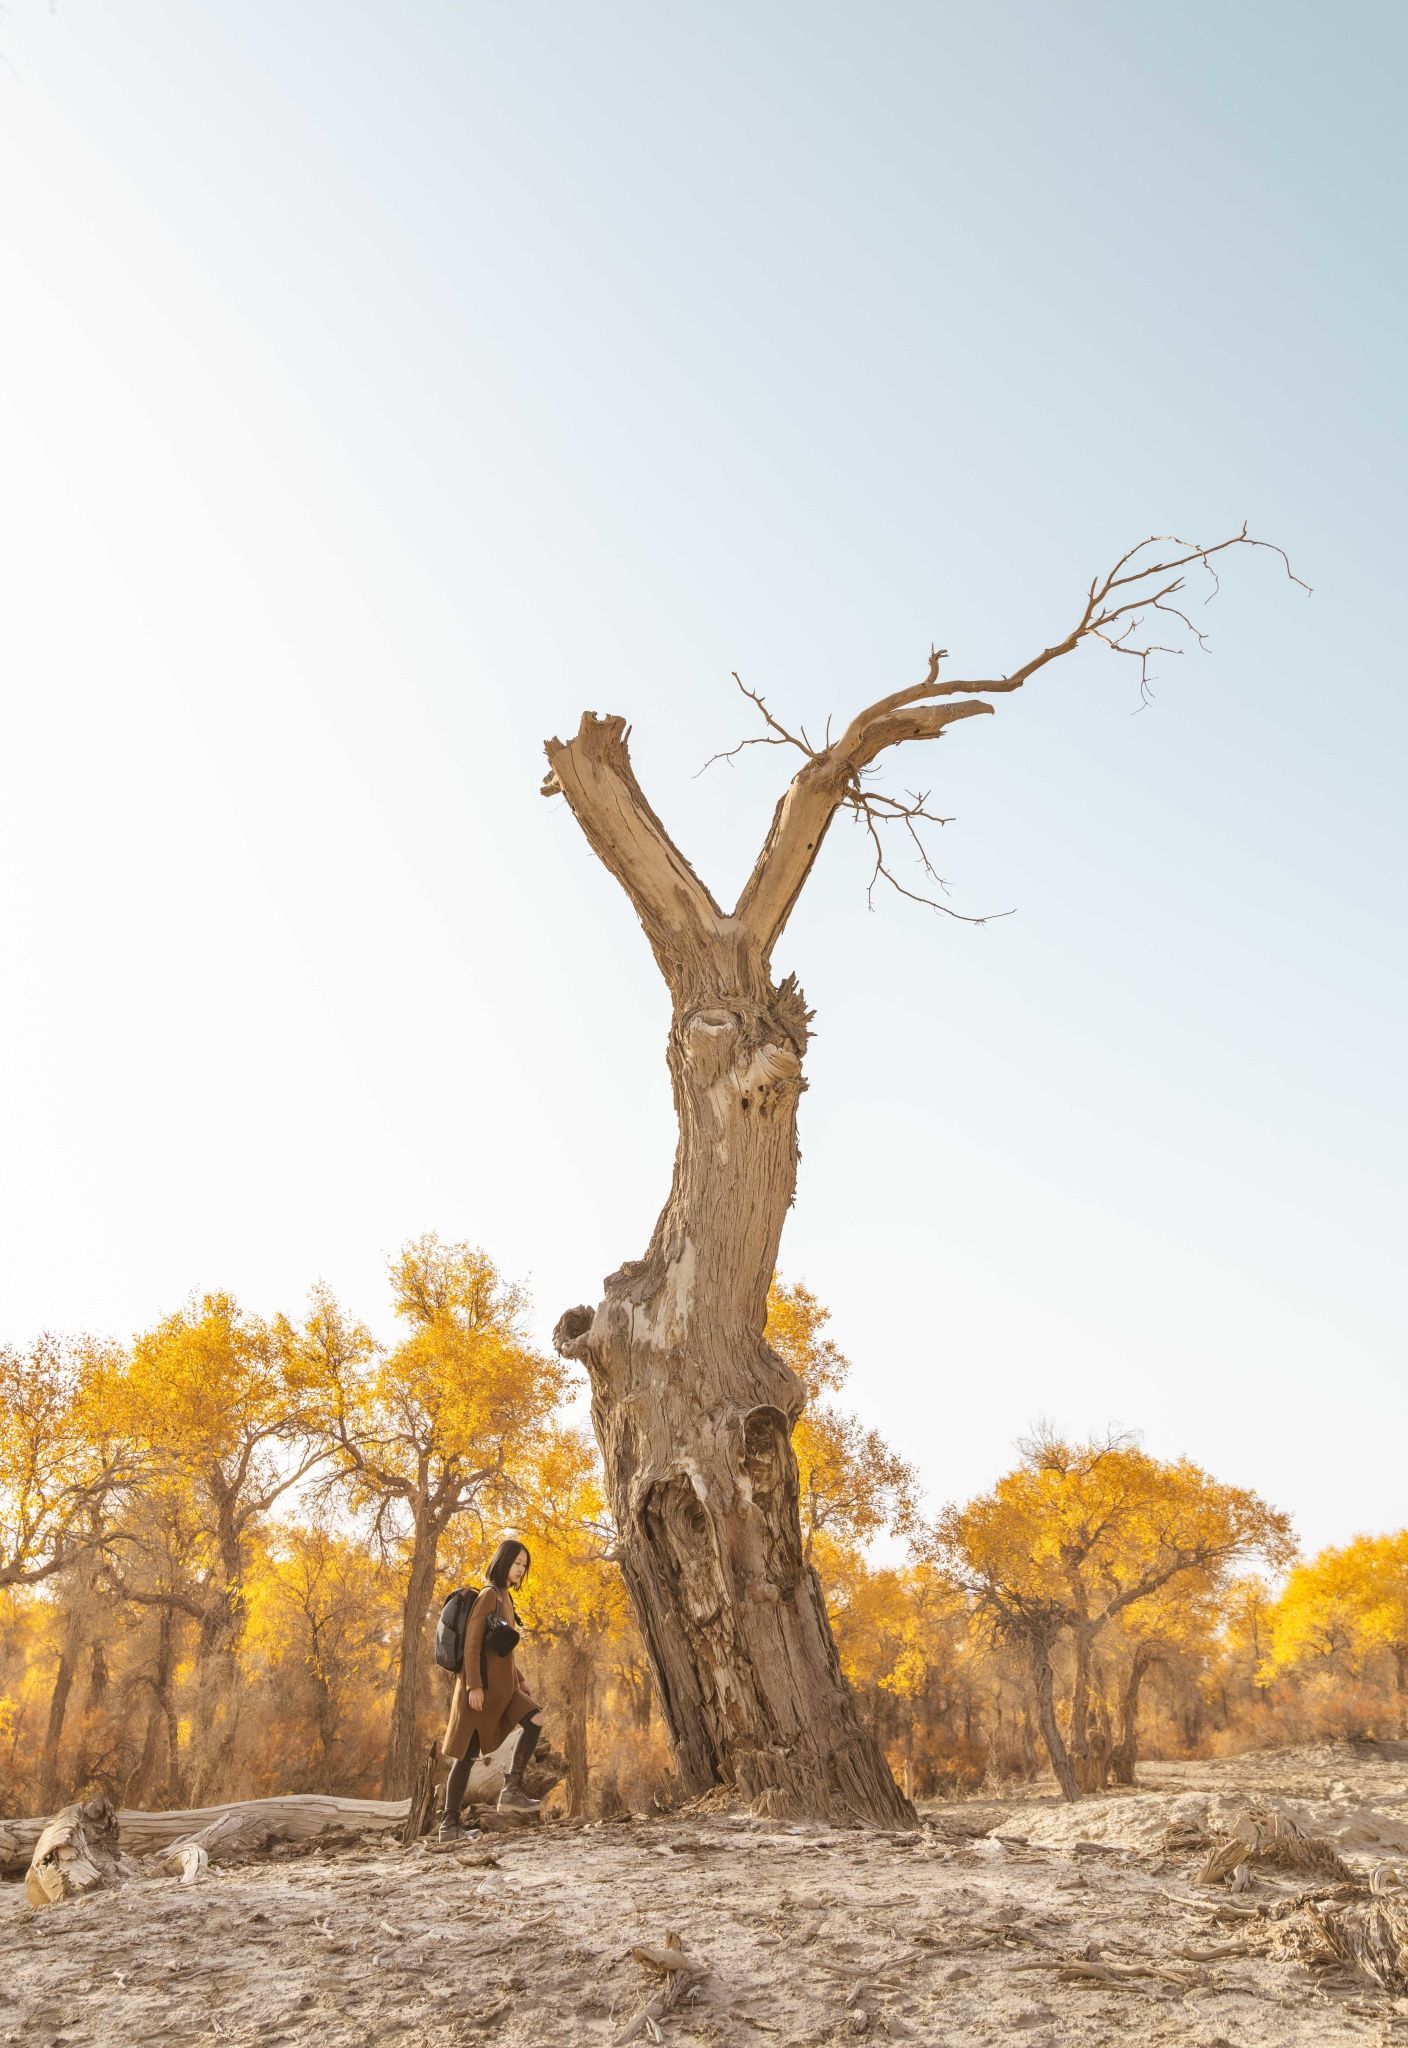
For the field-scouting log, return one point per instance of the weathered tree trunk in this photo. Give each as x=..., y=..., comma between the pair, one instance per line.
x=398, y=1770
x=76, y=1600
x=692, y=1408
x=1044, y=1686
x=99, y=1677
x=694, y=1414
x=217, y=1701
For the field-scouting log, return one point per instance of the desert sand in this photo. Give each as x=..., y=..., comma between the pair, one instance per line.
x=1004, y=1919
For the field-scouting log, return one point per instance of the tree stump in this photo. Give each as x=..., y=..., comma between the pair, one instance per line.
x=76, y=1853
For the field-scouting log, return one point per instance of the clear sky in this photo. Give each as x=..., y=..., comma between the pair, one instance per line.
x=382, y=385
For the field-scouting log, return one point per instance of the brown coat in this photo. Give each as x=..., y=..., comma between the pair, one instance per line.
x=505, y=1701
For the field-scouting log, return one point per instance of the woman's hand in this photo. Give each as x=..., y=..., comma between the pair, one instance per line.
x=475, y=1698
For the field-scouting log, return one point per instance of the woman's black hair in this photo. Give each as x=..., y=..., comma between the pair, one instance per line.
x=501, y=1563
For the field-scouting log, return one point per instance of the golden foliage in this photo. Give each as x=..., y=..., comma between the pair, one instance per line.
x=852, y=1486
x=220, y=1552
x=1081, y=1532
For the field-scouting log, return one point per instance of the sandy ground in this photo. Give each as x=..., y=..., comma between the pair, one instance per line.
x=951, y=1936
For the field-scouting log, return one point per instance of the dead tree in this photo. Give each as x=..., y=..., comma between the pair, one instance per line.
x=692, y=1408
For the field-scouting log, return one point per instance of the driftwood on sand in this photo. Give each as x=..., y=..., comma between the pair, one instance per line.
x=1268, y=1837
x=292, y=1819
x=75, y=1852
x=91, y=1844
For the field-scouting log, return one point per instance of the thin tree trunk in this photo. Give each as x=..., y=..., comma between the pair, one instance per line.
x=1028, y=1742
x=399, y=1767
x=58, y=1707
x=136, y=1787
x=326, y=1716
x=76, y=1593
x=1043, y=1683
x=1400, y=1668
x=160, y=1715
x=579, y=1675
x=215, y=1708
x=166, y=1705
x=1078, y=1743
x=1122, y=1757
x=99, y=1677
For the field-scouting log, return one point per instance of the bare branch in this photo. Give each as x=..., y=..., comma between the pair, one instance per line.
x=593, y=771
x=1116, y=607
x=881, y=872
x=777, y=736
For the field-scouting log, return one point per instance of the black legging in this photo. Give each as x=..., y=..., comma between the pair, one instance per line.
x=458, y=1781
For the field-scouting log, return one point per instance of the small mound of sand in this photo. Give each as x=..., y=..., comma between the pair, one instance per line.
x=1143, y=1821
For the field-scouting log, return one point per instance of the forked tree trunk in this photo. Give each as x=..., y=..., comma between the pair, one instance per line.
x=693, y=1411
x=692, y=1408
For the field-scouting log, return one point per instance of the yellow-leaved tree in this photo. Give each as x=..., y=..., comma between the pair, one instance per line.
x=216, y=1406
x=322, y=1614
x=1076, y=1536
x=61, y=1455
x=852, y=1485
x=1345, y=1606
x=575, y=1602
x=446, y=1423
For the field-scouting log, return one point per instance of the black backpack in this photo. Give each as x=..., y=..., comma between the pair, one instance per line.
x=449, y=1630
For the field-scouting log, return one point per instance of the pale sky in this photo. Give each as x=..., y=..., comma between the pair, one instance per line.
x=383, y=385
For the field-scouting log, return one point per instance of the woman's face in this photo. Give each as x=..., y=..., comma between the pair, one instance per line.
x=517, y=1569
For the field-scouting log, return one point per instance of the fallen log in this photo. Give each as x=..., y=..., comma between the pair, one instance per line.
x=293, y=1817
x=296, y=1817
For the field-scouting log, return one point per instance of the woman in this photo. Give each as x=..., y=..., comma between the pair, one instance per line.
x=488, y=1702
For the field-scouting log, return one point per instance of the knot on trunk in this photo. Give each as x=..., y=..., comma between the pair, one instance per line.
x=737, y=1053
x=572, y=1332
